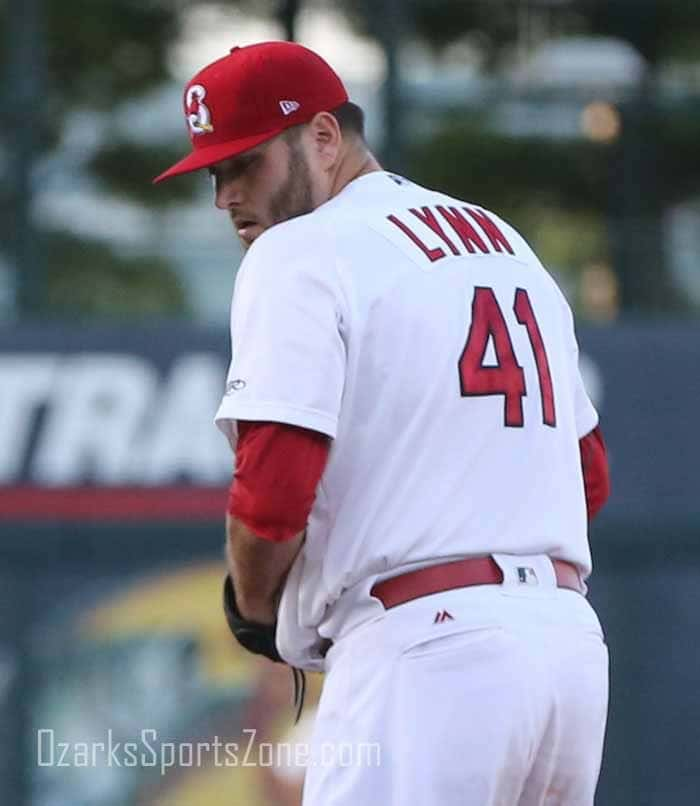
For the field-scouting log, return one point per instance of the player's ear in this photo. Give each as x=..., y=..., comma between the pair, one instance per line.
x=326, y=138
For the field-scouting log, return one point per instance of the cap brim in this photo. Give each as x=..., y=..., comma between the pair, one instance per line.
x=210, y=155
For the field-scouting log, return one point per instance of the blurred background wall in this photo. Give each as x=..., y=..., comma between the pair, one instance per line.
x=577, y=120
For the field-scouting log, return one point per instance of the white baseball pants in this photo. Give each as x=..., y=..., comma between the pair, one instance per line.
x=501, y=702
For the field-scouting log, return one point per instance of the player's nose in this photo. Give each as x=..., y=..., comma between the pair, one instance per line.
x=227, y=194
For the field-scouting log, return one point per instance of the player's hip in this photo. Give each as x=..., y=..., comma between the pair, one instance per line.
x=504, y=591
x=477, y=614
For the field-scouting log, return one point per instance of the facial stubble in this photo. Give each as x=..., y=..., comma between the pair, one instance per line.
x=295, y=197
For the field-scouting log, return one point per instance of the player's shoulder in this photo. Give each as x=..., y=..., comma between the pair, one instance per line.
x=291, y=258
x=352, y=217
x=296, y=245
x=478, y=211
x=301, y=234
x=365, y=195
x=374, y=198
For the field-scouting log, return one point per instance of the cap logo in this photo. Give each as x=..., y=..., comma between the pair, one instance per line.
x=198, y=114
x=288, y=107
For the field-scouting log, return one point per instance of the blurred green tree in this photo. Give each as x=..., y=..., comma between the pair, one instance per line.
x=626, y=185
x=99, y=55
x=660, y=30
x=84, y=57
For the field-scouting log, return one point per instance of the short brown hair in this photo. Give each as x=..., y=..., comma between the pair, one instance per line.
x=351, y=119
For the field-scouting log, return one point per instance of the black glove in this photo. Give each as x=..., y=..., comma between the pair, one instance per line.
x=251, y=635
x=260, y=639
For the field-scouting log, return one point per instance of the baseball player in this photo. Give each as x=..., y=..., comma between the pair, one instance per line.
x=416, y=457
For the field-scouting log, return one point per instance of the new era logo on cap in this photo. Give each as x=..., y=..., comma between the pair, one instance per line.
x=289, y=106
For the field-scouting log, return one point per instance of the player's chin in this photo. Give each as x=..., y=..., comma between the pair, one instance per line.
x=248, y=234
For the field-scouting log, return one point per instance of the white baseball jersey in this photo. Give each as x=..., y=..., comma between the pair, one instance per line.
x=424, y=336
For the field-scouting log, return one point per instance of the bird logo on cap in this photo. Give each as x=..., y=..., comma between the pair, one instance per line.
x=198, y=114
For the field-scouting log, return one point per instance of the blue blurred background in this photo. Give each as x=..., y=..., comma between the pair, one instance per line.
x=577, y=120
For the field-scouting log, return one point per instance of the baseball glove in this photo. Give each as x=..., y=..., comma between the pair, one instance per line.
x=251, y=635
x=259, y=639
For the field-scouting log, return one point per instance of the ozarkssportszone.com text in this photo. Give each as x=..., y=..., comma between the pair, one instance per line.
x=149, y=751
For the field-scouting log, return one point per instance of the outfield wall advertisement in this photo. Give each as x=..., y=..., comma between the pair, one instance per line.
x=129, y=412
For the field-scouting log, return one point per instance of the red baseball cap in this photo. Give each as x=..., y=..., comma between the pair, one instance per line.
x=252, y=95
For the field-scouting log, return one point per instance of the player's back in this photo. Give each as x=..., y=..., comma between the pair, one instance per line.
x=462, y=403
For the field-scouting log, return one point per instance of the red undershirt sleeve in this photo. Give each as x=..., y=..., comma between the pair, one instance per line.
x=596, y=475
x=278, y=467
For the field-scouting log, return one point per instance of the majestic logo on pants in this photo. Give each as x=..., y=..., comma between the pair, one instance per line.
x=442, y=616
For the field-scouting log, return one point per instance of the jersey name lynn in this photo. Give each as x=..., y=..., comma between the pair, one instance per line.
x=460, y=230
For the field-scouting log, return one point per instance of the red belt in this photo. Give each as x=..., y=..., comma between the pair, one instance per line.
x=463, y=574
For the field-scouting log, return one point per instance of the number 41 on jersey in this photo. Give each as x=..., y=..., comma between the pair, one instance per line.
x=506, y=377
